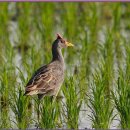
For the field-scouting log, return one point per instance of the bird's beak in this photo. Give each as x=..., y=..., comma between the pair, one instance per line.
x=69, y=44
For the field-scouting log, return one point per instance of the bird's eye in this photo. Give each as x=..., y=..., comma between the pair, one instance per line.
x=62, y=41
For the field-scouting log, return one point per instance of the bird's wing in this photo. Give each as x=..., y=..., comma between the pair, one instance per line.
x=40, y=81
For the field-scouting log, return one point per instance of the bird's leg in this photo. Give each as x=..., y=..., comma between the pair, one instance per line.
x=59, y=97
x=54, y=97
x=38, y=112
x=51, y=99
x=37, y=101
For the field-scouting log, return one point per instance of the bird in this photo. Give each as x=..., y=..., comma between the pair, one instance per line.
x=47, y=80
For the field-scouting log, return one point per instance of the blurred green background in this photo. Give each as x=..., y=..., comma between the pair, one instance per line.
x=96, y=90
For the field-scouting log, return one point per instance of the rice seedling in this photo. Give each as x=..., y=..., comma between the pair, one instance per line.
x=121, y=93
x=72, y=104
x=99, y=101
x=97, y=66
x=20, y=105
x=122, y=100
x=48, y=114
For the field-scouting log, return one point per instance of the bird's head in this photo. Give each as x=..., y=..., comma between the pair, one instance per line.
x=62, y=43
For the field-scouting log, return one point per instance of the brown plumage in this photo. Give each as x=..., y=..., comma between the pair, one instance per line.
x=48, y=79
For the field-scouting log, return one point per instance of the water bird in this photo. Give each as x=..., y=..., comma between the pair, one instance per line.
x=47, y=80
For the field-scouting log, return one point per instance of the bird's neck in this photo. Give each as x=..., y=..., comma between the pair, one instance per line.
x=57, y=55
